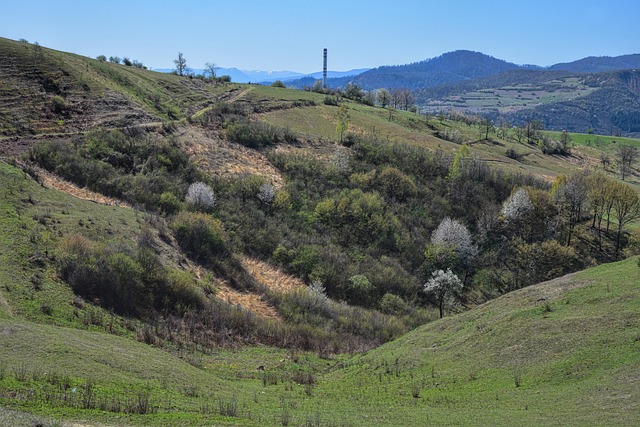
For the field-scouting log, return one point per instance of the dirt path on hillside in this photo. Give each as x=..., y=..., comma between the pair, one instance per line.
x=239, y=95
x=266, y=275
x=249, y=301
x=53, y=181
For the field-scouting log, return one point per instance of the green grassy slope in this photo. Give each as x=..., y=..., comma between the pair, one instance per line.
x=572, y=345
x=33, y=220
x=68, y=92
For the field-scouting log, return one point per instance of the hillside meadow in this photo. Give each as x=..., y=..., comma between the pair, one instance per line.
x=177, y=250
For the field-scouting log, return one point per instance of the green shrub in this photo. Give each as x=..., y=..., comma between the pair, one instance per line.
x=199, y=235
x=394, y=305
x=395, y=184
x=252, y=134
x=304, y=260
x=111, y=277
x=58, y=104
x=361, y=290
x=169, y=203
x=182, y=291
x=331, y=100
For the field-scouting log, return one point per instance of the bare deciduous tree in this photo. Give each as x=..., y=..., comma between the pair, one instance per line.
x=571, y=197
x=384, y=97
x=343, y=121
x=626, y=205
x=181, y=64
x=210, y=70
x=405, y=98
x=627, y=156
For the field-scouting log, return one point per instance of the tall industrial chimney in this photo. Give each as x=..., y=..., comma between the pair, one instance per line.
x=324, y=69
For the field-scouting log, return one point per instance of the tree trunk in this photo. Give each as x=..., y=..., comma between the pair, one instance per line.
x=618, y=237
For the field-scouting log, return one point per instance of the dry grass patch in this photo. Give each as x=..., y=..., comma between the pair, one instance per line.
x=53, y=181
x=219, y=157
x=270, y=276
x=249, y=301
x=225, y=292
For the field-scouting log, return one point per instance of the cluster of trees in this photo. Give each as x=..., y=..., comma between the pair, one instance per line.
x=528, y=133
x=126, y=61
x=627, y=157
x=602, y=198
x=354, y=223
x=396, y=98
x=209, y=71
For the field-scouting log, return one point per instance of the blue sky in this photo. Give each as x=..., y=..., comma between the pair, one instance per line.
x=278, y=35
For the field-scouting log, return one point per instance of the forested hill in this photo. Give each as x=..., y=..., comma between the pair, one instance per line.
x=613, y=107
x=599, y=64
x=448, y=68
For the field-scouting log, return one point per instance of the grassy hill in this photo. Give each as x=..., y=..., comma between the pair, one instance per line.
x=68, y=92
x=123, y=303
x=548, y=354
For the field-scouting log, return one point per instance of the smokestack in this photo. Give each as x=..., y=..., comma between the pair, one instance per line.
x=324, y=69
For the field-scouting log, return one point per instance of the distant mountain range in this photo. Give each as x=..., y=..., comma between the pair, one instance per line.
x=463, y=65
x=268, y=77
x=448, y=68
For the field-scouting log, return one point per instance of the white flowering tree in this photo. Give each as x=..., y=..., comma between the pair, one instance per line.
x=452, y=234
x=200, y=196
x=445, y=287
x=517, y=206
x=267, y=193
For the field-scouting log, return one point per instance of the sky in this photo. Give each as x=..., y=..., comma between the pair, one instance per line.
x=290, y=35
